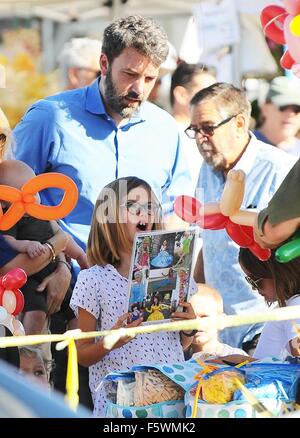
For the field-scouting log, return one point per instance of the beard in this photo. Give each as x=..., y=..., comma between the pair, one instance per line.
x=117, y=102
x=214, y=159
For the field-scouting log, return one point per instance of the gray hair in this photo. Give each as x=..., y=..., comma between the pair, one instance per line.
x=140, y=33
x=36, y=352
x=78, y=53
x=228, y=100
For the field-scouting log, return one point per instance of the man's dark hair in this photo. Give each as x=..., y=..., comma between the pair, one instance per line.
x=184, y=76
x=140, y=33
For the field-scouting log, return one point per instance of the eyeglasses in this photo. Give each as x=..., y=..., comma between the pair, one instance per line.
x=294, y=108
x=136, y=208
x=253, y=283
x=207, y=130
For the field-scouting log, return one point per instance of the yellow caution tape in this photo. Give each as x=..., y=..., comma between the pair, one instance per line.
x=112, y=336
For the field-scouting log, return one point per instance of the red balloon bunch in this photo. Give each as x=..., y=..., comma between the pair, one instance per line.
x=225, y=214
x=11, y=298
x=282, y=25
x=190, y=210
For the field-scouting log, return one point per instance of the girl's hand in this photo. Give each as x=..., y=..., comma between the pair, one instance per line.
x=188, y=314
x=122, y=323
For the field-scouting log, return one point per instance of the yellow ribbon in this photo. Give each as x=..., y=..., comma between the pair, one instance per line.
x=72, y=382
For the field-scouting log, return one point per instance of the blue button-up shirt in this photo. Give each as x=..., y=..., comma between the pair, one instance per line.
x=72, y=133
x=265, y=167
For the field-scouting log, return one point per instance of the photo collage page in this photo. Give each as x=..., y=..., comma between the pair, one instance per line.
x=160, y=274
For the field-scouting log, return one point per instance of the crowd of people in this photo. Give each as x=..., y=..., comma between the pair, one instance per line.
x=104, y=132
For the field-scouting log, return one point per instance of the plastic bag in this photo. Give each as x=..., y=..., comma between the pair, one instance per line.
x=154, y=387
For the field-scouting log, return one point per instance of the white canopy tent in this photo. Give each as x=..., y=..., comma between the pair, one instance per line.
x=63, y=19
x=64, y=11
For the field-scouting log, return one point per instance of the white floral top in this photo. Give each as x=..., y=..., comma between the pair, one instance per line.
x=103, y=292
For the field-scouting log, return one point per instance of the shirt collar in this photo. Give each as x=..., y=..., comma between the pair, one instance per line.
x=246, y=162
x=95, y=105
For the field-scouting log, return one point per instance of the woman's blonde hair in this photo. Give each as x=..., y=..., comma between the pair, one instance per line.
x=108, y=235
x=5, y=134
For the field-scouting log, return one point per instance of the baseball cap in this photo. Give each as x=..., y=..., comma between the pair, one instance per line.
x=283, y=91
x=81, y=53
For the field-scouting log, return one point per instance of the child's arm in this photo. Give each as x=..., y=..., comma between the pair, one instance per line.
x=72, y=249
x=32, y=266
x=31, y=247
x=91, y=352
x=274, y=235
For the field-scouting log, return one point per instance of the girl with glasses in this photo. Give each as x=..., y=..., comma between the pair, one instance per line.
x=100, y=296
x=277, y=283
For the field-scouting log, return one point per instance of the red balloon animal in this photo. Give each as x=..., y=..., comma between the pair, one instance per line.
x=282, y=25
x=12, y=300
x=225, y=214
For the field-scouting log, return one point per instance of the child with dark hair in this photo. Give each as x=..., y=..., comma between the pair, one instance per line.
x=276, y=282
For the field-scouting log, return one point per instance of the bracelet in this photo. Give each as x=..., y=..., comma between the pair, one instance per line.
x=51, y=248
x=193, y=332
x=65, y=263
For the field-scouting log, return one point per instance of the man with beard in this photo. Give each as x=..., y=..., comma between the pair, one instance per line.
x=220, y=125
x=107, y=130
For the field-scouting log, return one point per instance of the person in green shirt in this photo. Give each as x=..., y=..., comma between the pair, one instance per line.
x=281, y=218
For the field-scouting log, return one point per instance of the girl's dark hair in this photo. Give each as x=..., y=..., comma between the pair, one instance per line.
x=286, y=276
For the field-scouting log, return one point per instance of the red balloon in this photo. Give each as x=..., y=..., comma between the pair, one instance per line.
x=215, y=221
x=188, y=208
x=286, y=61
x=237, y=234
x=248, y=230
x=19, y=302
x=2, y=290
x=272, y=18
x=262, y=254
x=14, y=279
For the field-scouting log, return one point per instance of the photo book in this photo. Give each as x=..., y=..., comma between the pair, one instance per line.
x=160, y=273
